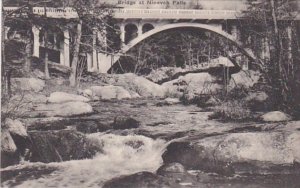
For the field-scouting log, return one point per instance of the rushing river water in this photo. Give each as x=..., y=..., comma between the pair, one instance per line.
x=121, y=155
x=126, y=152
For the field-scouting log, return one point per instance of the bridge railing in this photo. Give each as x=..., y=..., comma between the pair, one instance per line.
x=175, y=14
x=69, y=12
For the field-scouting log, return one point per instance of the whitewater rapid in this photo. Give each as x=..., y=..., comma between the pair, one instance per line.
x=122, y=155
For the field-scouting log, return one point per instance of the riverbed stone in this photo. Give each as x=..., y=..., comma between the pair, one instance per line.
x=63, y=110
x=110, y=92
x=61, y=97
x=92, y=127
x=192, y=85
x=125, y=123
x=138, y=180
x=171, y=168
x=138, y=84
x=275, y=116
x=57, y=146
x=237, y=153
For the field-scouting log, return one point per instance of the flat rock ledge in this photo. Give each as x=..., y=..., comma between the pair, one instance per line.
x=239, y=153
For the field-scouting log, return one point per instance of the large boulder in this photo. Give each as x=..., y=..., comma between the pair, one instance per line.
x=245, y=79
x=163, y=74
x=63, y=109
x=57, y=146
x=28, y=84
x=61, y=97
x=15, y=127
x=110, y=92
x=9, y=155
x=7, y=143
x=192, y=85
x=138, y=84
x=275, y=116
x=238, y=153
x=13, y=140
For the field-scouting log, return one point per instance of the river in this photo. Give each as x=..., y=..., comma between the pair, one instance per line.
x=126, y=152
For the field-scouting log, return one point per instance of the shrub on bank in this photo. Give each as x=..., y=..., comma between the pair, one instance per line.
x=232, y=110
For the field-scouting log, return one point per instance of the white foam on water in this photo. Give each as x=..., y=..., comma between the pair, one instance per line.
x=122, y=155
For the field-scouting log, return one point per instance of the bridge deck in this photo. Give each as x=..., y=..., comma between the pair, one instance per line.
x=125, y=13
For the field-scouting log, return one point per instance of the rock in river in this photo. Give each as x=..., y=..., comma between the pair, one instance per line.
x=56, y=146
x=138, y=180
x=275, y=116
x=125, y=123
x=60, y=97
x=238, y=153
x=110, y=92
x=63, y=109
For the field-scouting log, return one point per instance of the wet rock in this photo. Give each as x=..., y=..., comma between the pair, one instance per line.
x=275, y=116
x=138, y=180
x=171, y=168
x=61, y=97
x=125, y=123
x=63, y=109
x=57, y=146
x=28, y=84
x=110, y=92
x=238, y=153
x=92, y=127
x=16, y=176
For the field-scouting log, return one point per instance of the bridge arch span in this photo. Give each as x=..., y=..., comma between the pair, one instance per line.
x=110, y=61
x=210, y=28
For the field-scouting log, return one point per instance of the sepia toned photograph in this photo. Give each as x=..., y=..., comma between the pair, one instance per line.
x=150, y=94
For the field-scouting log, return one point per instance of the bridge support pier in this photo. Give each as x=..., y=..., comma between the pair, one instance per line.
x=105, y=62
x=235, y=32
x=122, y=35
x=6, y=30
x=94, y=53
x=36, y=41
x=65, y=49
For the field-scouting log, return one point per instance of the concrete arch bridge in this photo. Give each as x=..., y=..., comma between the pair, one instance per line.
x=136, y=25
x=109, y=60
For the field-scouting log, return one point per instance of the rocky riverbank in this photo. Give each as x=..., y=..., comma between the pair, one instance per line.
x=149, y=138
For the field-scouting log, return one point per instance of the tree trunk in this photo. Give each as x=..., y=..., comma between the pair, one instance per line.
x=28, y=50
x=72, y=77
x=47, y=75
x=46, y=71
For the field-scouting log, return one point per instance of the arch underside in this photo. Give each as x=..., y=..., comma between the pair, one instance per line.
x=210, y=28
